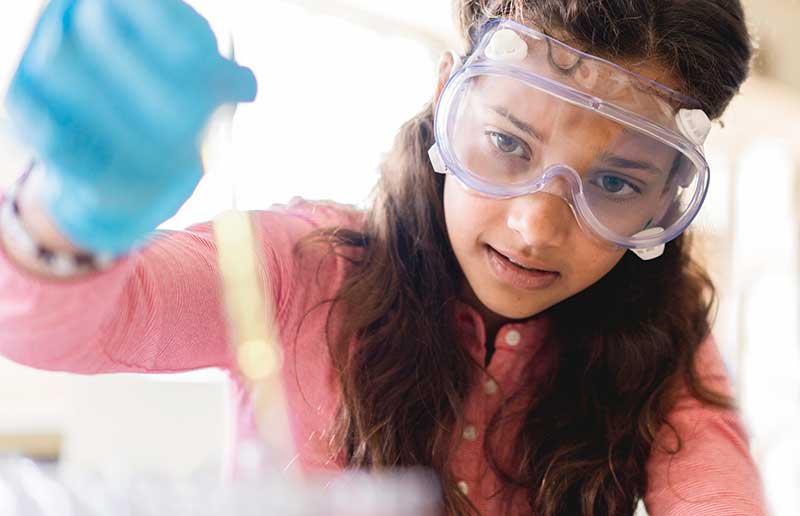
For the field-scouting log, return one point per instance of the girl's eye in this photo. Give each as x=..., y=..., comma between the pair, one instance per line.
x=616, y=186
x=508, y=144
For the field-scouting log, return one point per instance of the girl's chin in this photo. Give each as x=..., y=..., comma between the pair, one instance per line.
x=509, y=307
x=514, y=313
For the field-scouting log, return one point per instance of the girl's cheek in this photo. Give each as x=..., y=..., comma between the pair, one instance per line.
x=452, y=213
x=599, y=260
x=464, y=204
x=456, y=206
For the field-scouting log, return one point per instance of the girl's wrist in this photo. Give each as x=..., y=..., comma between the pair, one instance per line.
x=33, y=241
x=36, y=220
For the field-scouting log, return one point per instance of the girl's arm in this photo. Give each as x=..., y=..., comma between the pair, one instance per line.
x=159, y=310
x=155, y=311
x=713, y=474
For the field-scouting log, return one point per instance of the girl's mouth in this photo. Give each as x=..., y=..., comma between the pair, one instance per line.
x=517, y=275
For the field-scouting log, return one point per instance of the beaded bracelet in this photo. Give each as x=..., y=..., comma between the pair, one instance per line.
x=61, y=264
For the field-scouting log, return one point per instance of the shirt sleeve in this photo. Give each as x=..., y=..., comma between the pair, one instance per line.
x=713, y=473
x=157, y=311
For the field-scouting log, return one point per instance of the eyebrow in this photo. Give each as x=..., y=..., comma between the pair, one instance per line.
x=612, y=159
x=522, y=126
x=630, y=164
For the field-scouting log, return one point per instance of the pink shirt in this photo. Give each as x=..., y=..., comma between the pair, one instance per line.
x=160, y=311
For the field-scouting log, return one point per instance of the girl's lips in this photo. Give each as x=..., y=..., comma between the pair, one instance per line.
x=523, y=262
x=517, y=276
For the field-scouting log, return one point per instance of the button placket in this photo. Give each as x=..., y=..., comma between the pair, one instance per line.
x=469, y=455
x=470, y=433
x=513, y=338
x=490, y=387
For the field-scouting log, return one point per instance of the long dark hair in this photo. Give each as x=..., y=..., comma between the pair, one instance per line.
x=588, y=430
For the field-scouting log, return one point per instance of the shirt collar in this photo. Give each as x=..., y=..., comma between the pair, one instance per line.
x=523, y=338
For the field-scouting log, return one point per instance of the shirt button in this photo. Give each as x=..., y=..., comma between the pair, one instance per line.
x=470, y=433
x=490, y=387
x=463, y=487
x=513, y=337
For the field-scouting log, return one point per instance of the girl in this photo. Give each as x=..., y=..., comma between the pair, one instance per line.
x=482, y=318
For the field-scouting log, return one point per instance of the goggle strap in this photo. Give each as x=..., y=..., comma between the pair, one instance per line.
x=436, y=160
x=694, y=124
x=649, y=253
x=506, y=46
x=456, y=62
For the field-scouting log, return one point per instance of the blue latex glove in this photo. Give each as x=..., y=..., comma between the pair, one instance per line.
x=113, y=96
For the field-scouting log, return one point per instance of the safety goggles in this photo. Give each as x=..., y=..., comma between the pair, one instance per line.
x=527, y=113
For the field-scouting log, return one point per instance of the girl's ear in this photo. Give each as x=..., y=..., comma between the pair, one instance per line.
x=448, y=64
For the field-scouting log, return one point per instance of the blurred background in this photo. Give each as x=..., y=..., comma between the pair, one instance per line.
x=324, y=118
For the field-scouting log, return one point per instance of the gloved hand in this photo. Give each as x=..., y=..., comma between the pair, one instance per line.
x=113, y=96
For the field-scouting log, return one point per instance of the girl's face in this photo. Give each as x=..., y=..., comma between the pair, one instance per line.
x=539, y=232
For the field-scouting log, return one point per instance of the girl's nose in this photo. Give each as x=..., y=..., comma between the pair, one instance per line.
x=542, y=219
